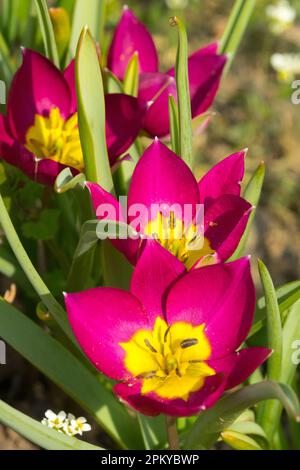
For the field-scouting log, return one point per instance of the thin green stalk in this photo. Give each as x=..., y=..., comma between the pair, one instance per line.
x=172, y=433
x=37, y=283
x=236, y=27
x=47, y=31
x=183, y=92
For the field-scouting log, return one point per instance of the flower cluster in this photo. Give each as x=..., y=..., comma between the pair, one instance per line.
x=175, y=342
x=66, y=424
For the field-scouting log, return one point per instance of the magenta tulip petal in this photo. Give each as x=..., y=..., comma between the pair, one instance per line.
x=69, y=75
x=225, y=222
x=161, y=177
x=155, y=271
x=106, y=207
x=101, y=318
x=124, y=120
x=152, y=404
x=37, y=87
x=222, y=297
x=131, y=36
x=157, y=87
x=248, y=360
x=130, y=394
x=205, y=68
x=9, y=149
x=223, y=178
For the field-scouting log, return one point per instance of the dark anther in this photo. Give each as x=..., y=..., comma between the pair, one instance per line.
x=187, y=343
x=178, y=372
x=149, y=345
x=172, y=223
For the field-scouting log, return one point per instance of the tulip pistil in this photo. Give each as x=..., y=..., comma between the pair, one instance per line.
x=170, y=360
x=56, y=139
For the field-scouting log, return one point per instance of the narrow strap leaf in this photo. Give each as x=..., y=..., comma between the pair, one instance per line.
x=39, y=434
x=91, y=113
x=183, y=92
x=235, y=29
x=92, y=15
x=274, y=326
x=47, y=31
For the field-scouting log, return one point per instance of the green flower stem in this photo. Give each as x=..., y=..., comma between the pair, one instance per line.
x=172, y=432
x=37, y=283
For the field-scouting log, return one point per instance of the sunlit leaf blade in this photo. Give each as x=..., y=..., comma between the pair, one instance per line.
x=251, y=194
x=131, y=79
x=91, y=112
x=183, y=92
x=153, y=431
x=213, y=421
x=274, y=325
x=47, y=31
x=39, y=434
x=174, y=125
x=111, y=83
x=236, y=27
x=239, y=441
x=247, y=427
x=287, y=295
x=6, y=65
x=290, y=360
x=87, y=13
x=60, y=366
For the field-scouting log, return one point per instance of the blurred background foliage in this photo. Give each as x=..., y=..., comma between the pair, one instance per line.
x=253, y=109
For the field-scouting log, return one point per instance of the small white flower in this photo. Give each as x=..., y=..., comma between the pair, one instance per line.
x=81, y=425
x=282, y=16
x=287, y=66
x=66, y=424
x=54, y=421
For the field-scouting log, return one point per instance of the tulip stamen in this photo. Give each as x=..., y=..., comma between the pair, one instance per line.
x=149, y=345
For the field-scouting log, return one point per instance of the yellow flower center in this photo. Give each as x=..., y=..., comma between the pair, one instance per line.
x=57, y=139
x=186, y=243
x=170, y=360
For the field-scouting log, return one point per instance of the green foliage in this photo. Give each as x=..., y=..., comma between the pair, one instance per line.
x=45, y=228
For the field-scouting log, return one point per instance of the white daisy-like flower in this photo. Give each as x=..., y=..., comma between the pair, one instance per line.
x=282, y=16
x=54, y=421
x=81, y=425
x=287, y=66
